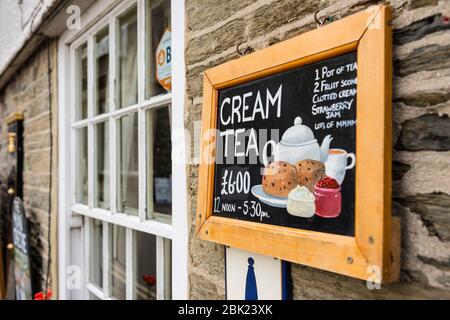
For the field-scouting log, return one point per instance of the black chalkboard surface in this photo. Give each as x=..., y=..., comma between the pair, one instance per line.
x=301, y=124
x=22, y=272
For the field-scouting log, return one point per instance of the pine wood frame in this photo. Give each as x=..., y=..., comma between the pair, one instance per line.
x=377, y=235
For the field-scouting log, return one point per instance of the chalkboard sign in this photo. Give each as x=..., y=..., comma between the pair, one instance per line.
x=21, y=252
x=285, y=151
x=296, y=150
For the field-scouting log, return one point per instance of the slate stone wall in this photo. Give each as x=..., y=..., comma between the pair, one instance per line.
x=29, y=92
x=421, y=108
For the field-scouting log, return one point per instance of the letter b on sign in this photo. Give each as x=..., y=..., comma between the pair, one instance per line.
x=168, y=54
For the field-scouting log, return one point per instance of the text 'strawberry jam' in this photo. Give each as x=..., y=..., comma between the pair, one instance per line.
x=328, y=199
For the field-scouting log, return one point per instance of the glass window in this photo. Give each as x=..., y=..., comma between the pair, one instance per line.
x=102, y=165
x=81, y=83
x=81, y=171
x=128, y=165
x=159, y=162
x=101, y=52
x=114, y=248
x=117, y=262
x=93, y=296
x=158, y=21
x=127, y=59
x=145, y=266
x=96, y=252
x=145, y=262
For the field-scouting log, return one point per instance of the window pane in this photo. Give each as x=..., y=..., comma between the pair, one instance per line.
x=102, y=165
x=145, y=264
x=81, y=166
x=128, y=175
x=101, y=72
x=158, y=21
x=160, y=162
x=127, y=59
x=81, y=82
x=117, y=262
x=93, y=296
x=96, y=252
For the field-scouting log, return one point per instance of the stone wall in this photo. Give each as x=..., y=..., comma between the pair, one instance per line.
x=29, y=92
x=421, y=103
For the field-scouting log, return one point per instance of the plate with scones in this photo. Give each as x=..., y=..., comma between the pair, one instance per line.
x=280, y=178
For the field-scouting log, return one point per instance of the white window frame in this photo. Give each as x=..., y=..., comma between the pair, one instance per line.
x=71, y=216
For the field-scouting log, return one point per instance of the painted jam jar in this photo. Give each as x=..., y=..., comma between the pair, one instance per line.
x=328, y=199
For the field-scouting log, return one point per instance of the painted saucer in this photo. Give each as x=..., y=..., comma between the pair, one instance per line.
x=279, y=202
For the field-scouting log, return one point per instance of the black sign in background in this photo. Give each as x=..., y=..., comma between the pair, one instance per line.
x=297, y=100
x=22, y=273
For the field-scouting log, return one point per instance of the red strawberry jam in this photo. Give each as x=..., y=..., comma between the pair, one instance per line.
x=327, y=193
x=328, y=183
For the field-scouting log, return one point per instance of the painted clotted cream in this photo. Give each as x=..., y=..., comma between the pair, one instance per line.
x=300, y=202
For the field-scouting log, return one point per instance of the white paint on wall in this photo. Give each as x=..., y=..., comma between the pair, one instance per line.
x=18, y=20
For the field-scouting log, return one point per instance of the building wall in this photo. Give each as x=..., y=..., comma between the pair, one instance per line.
x=29, y=92
x=421, y=106
x=20, y=18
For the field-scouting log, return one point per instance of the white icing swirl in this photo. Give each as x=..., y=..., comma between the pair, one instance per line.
x=301, y=193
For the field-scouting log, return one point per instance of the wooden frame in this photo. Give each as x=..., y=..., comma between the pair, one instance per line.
x=375, y=247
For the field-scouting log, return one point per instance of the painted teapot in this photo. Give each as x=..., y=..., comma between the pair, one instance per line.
x=298, y=143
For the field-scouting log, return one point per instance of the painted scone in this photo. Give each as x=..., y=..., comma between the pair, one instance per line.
x=279, y=178
x=309, y=172
x=328, y=198
x=301, y=202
